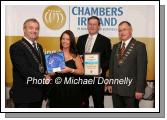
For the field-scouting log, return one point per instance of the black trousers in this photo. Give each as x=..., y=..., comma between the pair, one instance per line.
x=124, y=101
x=29, y=105
x=97, y=92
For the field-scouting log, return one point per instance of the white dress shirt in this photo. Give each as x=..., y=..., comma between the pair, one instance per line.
x=91, y=44
x=126, y=42
x=32, y=42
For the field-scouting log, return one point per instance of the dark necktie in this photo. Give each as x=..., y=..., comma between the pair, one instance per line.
x=35, y=47
x=122, y=50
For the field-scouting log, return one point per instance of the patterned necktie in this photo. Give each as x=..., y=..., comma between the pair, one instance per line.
x=122, y=50
x=35, y=47
x=88, y=45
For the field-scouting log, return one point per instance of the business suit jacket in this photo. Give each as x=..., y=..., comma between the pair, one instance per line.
x=25, y=66
x=134, y=66
x=102, y=46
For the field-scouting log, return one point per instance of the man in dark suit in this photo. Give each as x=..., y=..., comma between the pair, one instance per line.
x=128, y=64
x=95, y=43
x=28, y=68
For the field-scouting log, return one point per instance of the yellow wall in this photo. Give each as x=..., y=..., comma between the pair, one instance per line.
x=52, y=43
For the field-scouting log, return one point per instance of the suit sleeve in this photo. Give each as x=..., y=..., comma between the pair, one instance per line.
x=79, y=46
x=19, y=62
x=111, y=63
x=45, y=86
x=141, y=68
x=107, y=55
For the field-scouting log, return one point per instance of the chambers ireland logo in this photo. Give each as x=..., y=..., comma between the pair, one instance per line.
x=54, y=17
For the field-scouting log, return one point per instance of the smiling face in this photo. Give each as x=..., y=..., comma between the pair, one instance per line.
x=31, y=30
x=65, y=41
x=93, y=26
x=125, y=31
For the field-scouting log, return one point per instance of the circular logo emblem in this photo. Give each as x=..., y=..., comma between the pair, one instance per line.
x=54, y=17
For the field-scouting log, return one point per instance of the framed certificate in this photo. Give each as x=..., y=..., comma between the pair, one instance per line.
x=55, y=62
x=91, y=64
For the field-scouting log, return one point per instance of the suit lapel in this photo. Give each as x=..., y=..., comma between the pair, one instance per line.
x=85, y=39
x=33, y=50
x=117, y=51
x=127, y=52
x=96, y=43
x=84, y=43
x=129, y=45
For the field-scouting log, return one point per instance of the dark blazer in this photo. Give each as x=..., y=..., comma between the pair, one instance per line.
x=25, y=66
x=134, y=66
x=102, y=46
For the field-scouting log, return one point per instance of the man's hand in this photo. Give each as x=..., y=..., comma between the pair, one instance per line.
x=47, y=79
x=52, y=74
x=109, y=89
x=138, y=95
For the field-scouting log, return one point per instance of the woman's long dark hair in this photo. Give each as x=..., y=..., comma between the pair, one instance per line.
x=73, y=47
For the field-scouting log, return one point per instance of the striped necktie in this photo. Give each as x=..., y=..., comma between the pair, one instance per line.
x=35, y=46
x=88, y=45
x=122, y=50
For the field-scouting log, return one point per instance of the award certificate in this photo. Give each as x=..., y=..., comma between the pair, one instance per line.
x=91, y=64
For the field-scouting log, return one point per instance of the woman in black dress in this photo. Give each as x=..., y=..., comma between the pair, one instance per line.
x=67, y=95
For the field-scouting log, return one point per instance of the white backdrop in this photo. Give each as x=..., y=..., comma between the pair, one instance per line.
x=141, y=17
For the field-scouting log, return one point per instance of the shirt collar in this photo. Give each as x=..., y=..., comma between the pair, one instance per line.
x=127, y=41
x=30, y=40
x=93, y=36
